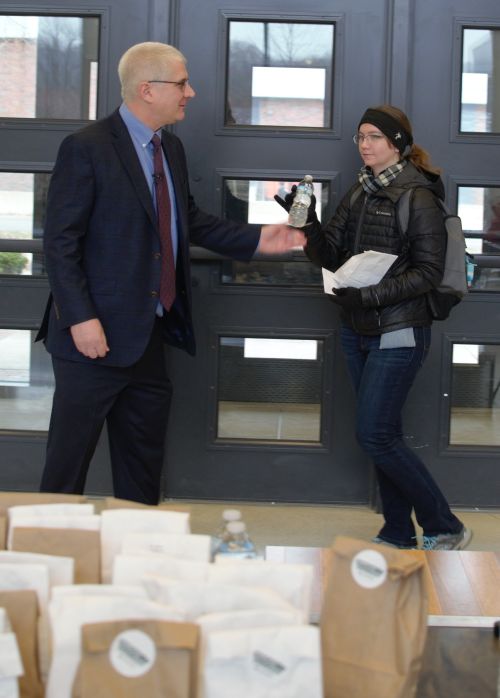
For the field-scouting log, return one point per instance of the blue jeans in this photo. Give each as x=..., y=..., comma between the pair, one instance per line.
x=382, y=379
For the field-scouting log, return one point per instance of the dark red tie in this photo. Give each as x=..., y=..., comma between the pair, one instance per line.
x=167, y=279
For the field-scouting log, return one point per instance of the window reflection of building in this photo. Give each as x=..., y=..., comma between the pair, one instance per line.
x=480, y=81
x=280, y=74
x=48, y=67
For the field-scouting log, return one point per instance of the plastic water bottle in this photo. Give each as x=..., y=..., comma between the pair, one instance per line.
x=237, y=543
x=228, y=515
x=297, y=215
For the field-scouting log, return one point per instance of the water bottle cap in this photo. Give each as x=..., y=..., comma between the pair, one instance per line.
x=236, y=527
x=231, y=514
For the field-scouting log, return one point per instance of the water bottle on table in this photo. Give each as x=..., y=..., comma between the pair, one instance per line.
x=228, y=515
x=297, y=215
x=237, y=543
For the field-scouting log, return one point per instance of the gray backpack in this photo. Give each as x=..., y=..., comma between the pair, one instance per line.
x=453, y=286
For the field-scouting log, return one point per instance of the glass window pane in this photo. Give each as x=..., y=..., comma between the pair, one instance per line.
x=26, y=382
x=48, y=67
x=280, y=74
x=23, y=199
x=479, y=209
x=252, y=201
x=475, y=395
x=480, y=112
x=269, y=389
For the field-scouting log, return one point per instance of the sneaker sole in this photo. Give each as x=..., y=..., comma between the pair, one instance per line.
x=465, y=540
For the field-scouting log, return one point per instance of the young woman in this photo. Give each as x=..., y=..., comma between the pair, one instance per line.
x=386, y=327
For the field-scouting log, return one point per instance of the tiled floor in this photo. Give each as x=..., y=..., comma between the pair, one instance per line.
x=308, y=525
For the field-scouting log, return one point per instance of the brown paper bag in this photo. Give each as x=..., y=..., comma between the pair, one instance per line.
x=13, y=499
x=22, y=609
x=3, y=527
x=133, y=658
x=83, y=546
x=373, y=622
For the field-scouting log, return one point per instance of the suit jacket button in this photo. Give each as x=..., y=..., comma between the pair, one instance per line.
x=157, y=255
x=154, y=294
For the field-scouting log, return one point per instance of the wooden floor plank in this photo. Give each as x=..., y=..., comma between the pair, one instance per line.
x=483, y=570
x=453, y=586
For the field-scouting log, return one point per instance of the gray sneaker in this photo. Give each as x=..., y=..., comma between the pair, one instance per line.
x=380, y=541
x=448, y=541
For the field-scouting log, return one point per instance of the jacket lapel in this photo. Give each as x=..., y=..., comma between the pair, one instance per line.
x=126, y=152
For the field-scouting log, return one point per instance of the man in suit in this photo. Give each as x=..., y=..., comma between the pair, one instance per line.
x=109, y=260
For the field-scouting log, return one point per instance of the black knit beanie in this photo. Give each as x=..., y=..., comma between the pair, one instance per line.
x=390, y=127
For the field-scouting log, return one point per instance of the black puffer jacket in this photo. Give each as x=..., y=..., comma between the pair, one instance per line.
x=398, y=300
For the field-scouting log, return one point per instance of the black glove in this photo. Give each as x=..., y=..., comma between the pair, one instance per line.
x=348, y=298
x=287, y=202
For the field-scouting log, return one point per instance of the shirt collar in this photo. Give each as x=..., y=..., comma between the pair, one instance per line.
x=137, y=128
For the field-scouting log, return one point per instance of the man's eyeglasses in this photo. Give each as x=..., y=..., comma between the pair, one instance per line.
x=181, y=84
x=369, y=137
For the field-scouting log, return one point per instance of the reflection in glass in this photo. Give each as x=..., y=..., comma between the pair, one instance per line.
x=23, y=198
x=480, y=81
x=269, y=389
x=280, y=74
x=26, y=382
x=475, y=396
x=479, y=209
x=49, y=67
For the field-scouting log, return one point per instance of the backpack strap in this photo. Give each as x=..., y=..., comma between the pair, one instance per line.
x=355, y=195
x=403, y=211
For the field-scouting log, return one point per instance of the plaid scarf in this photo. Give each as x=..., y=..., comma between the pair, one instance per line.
x=372, y=184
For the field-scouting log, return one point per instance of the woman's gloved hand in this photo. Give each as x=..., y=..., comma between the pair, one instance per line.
x=287, y=202
x=348, y=298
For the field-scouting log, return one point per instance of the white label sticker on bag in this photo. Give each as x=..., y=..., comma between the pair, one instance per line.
x=132, y=653
x=369, y=569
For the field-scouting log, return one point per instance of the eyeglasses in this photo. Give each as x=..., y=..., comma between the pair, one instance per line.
x=369, y=138
x=181, y=84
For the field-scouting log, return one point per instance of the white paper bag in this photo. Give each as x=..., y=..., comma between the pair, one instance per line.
x=61, y=569
x=5, y=626
x=69, y=613
x=187, y=546
x=130, y=569
x=293, y=582
x=41, y=510
x=27, y=576
x=99, y=590
x=11, y=666
x=194, y=599
x=254, y=618
x=283, y=662
x=117, y=523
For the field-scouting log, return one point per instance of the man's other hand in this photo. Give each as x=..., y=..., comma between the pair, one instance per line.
x=89, y=338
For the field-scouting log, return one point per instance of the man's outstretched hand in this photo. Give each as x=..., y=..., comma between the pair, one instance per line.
x=279, y=238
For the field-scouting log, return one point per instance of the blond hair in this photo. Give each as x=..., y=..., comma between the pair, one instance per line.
x=147, y=61
x=417, y=155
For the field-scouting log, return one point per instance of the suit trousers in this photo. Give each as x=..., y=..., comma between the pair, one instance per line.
x=134, y=401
